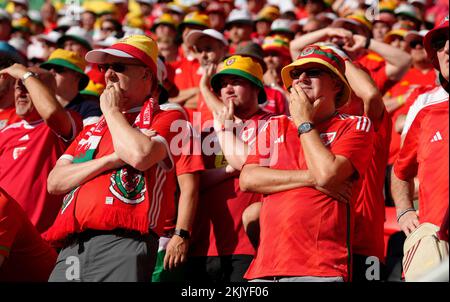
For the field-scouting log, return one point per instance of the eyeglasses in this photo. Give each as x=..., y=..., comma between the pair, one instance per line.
x=310, y=73
x=117, y=67
x=439, y=42
x=415, y=43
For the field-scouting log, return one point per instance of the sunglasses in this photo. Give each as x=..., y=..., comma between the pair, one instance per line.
x=414, y=44
x=439, y=42
x=310, y=73
x=117, y=67
x=58, y=69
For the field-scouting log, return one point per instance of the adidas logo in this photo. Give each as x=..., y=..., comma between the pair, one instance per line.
x=436, y=137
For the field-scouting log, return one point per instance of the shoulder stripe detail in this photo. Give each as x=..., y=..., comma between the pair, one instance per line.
x=171, y=106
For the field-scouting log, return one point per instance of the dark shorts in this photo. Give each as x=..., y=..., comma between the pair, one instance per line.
x=97, y=256
x=218, y=269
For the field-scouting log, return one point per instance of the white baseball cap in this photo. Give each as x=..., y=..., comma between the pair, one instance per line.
x=239, y=16
x=194, y=35
x=51, y=37
x=78, y=34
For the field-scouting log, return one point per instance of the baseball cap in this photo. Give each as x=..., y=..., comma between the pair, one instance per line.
x=268, y=13
x=51, y=37
x=433, y=35
x=140, y=47
x=197, y=19
x=243, y=67
x=165, y=19
x=4, y=15
x=70, y=60
x=413, y=34
x=194, y=35
x=401, y=32
x=325, y=57
x=357, y=20
x=77, y=34
x=408, y=11
x=94, y=89
x=7, y=50
x=281, y=25
x=238, y=16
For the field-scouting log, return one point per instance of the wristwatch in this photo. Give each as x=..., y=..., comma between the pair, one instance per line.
x=305, y=128
x=29, y=74
x=182, y=233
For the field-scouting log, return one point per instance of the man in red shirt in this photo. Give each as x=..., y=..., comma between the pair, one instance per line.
x=315, y=160
x=115, y=175
x=425, y=148
x=220, y=250
x=29, y=149
x=24, y=256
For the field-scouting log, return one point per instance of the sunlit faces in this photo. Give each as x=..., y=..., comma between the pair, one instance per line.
x=65, y=79
x=239, y=91
x=135, y=79
x=240, y=32
x=442, y=55
x=316, y=83
x=76, y=47
x=23, y=103
x=208, y=50
x=379, y=30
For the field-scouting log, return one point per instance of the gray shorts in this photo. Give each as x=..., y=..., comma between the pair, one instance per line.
x=107, y=258
x=300, y=279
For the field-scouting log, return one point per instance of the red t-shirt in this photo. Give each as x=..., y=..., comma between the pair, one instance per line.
x=413, y=79
x=276, y=101
x=186, y=161
x=425, y=154
x=376, y=66
x=28, y=258
x=92, y=214
x=218, y=229
x=369, y=208
x=8, y=116
x=303, y=231
x=28, y=152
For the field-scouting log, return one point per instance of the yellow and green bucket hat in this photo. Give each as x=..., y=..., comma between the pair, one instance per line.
x=244, y=67
x=70, y=60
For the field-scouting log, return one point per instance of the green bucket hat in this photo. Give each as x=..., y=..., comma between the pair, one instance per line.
x=244, y=67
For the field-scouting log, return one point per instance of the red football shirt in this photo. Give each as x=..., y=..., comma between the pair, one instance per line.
x=303, y=231
x=218, y=229
x=276, y=101
x=186, y=161
x=28, y=152
x=369, y=208
x=8, y=116
x=27, y=256
x=376, y=66
x=91, y=214
x=425, y=154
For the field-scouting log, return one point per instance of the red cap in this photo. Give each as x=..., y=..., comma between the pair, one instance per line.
x=430, y=36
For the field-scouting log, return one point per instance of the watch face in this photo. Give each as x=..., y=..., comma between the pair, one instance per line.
x=304, y=128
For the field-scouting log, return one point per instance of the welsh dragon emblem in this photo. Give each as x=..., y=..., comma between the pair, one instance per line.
x=128, y=185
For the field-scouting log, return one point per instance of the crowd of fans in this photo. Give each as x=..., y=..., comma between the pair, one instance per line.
x=220, y=141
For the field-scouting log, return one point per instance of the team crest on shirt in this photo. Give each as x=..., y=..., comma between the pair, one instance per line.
x=68, y=199
x=18, y=151
x=128, y=185
x=327, y=138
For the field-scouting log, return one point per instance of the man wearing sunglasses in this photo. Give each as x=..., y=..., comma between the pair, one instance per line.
x=68, y=69
x=30, y=148
x=115, y=174
x=425, y=145
x=321, y=156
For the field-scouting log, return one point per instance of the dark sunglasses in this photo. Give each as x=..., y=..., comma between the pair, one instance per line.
x=439, y=42
x=413, y=44
x=310, y=73
x=58, y=69
x=117, y=67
